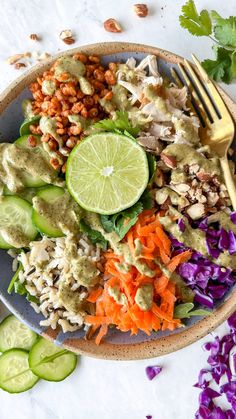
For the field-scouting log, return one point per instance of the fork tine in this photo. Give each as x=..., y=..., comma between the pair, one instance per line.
x=197, y=100
x=211, y=88
x=180, y=84
x=203, y=94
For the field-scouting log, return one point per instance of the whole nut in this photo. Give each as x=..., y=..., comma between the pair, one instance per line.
x=67, y=33
x=111, y=25
x=141, y=9
x=17, y=66
x=69, y=40
x=34, y=37
x=170, y=161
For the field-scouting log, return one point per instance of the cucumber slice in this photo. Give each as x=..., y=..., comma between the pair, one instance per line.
x=28, y=180
x=4, y=244
x=15, y=374
x=14, y=334
x=25, y=126
x=27, y=193
x=49, y=194
x=16, y=212
x=50, y=362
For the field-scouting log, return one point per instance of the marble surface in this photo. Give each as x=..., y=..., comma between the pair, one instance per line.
x=106, y=389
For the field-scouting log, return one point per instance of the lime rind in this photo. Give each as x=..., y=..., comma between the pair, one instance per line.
x=107, y=173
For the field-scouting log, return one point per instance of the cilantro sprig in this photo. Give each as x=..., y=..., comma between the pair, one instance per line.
x=221, y=31
x=121, y=124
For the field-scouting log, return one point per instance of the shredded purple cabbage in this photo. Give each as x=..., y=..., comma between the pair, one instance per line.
x=153, y=371
x=209, y=281
x=218, y=240
x=219, y=362
x=181, y=225
x=148, y=417
x=233, y=217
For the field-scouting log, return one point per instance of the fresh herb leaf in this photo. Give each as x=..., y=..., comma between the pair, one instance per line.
x=183, y=311
x=94, y=235
x=146, y=199
x=197, y=24
x=223, y=68
x=121, y=125
x=14, y=279
x=107, y=223
x=220, y=68
x=224, y=29
x=121, y=222
x=20, y=289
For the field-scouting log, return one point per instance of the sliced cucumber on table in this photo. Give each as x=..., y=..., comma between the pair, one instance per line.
x=28, y=180
x=14, y=334
x=49, y=194
x=16, y=212
x=25, y=126
x=15, y=373
x=50, y=362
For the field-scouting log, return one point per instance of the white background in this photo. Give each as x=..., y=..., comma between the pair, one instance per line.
x=106, y=389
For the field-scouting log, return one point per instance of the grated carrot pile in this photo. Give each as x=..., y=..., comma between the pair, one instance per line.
x=155, y=246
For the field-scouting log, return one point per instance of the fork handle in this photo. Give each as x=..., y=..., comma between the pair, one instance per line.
x=229, y=180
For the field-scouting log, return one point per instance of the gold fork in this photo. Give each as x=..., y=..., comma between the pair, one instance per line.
x=217, y=126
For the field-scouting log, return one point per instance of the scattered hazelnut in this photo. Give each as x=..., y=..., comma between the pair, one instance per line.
x=34, y=37
x=141, y=9
x=17, y=66
x=111, y=25
x=66, y=36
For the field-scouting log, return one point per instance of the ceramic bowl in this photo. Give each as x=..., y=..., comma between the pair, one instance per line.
x=119, y=346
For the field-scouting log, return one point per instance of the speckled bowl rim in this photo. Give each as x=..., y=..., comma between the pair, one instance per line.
x=161, y=345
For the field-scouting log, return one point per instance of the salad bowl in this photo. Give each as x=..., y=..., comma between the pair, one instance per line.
x=118, y=345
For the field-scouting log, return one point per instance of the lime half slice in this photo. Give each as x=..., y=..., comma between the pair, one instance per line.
x=107, y=173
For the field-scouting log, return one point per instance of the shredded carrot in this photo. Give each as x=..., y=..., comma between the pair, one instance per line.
x=122, y=309
x=94, y=295
x=102, y=332
x=180, y=258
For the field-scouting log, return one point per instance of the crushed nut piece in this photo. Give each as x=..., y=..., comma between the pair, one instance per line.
x=159, y=178
x=196, y=211
x=170, y=161
x=203, y=176
x=17, y=66
x=14, y=58
x=34, y=37
x=141, y=10
x=111, y=25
